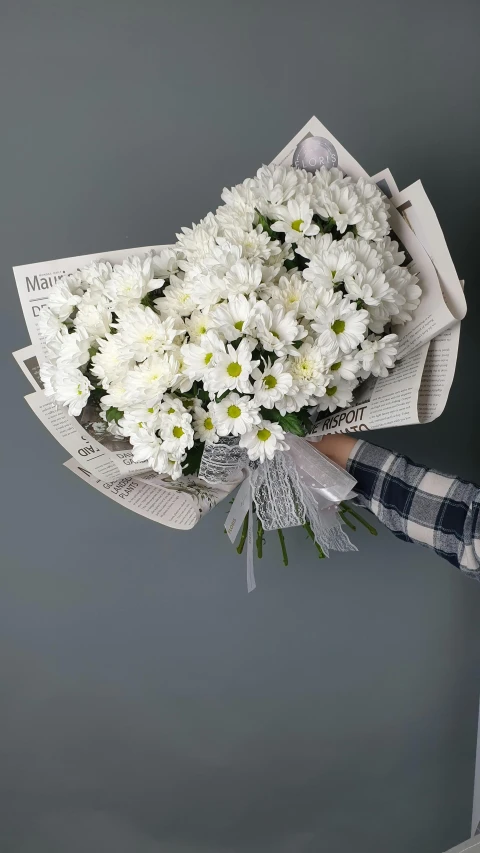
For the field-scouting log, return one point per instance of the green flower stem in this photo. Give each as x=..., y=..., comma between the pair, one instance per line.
x=347, y=521
x=243, y=537
x=283, y=546
x=259, y=538
x=310, y=532
x=346, y=508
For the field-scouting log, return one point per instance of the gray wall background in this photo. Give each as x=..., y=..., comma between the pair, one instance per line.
x=148, y=705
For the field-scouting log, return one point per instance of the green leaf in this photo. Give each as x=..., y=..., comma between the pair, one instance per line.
x=220, y=397
x=194, y=457
x=290, y=422
x=113, y=414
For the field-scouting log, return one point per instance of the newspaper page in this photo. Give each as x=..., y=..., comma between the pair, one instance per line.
x=315, y=146
x=178, y=504
x=88, y=425
x=35, y=280
x=472, y=845
x=415, y=391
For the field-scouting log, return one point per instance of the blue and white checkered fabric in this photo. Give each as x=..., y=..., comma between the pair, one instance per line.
x=420, y=505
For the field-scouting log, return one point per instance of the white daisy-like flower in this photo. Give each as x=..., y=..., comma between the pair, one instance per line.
x=339, y=203
x=148, y=381
x=404, y=283
x=263, y=441
x=49, y=324
x=111, y=362
x=239, y=207
x=337, y=395
x=295, y=220
x=255, y=244
x=171, y=405
x=96, y=274
x=74, y=348
x=95, y=318
x=389, y=253
x=142, y=332
x=177, y=298
x=115, y=396
x=234, y=317
x=231, y=370
x=65, y=295
x=364, y=252
x=377, y=355
x=234, y=415
x=289, y=293
x=72, y=389
x=345, y=324
x=243, y=277
x=317, y=299
x=130, y=281
x=165, y=263
x=346, y=367
x=48, y=370
x=176, y=432
x=276, y=186
x=147, y=447
x=324, y=177
x=200, y=358
x=331, y=267
x=277, y=329
x=197, y=241
x=271, y=383
x=136, y=418
x=369, y=285
x=204, y=425
x=197, y=324
x=310, y=368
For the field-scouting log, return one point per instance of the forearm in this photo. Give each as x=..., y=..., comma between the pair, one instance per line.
x=416, y=504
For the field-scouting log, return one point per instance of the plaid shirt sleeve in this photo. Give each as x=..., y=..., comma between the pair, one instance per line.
x=420, y=505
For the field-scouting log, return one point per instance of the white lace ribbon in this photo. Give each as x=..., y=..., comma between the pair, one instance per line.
x=296, y=486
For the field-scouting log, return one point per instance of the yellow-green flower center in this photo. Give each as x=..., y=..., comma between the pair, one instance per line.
x=202, y=330
x=151, y=410
x=269, y=381
x=234, y=369
x=238, y=325
x=275, y=334
x=234, y=412
x=208, y=356
x=338, y=326
x=208, y=423
x=331, y=391
x=263, y=434
x=170, y=411
x=297, y=224
x=177, y=431
x=334, y=272
x=336, y=366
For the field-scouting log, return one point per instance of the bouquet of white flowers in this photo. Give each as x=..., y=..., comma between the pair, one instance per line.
x=214, y=355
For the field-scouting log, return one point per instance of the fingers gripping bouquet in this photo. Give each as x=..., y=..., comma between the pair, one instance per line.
x=217, y=355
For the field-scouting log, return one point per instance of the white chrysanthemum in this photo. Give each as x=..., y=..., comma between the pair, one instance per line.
x=147, y=447
x=72, y=389
x=234, y=415
x=239, y=207
x=49, y=324
x=165, y=263
x=141, y=331
x=48, y=370
x=339, y=203
x=365, y=253
x=115, y=396
x=204, y=425
x=346, y=367
x=176, y=432
x=289, y=293
x=177, y=298
x=373, y=224
x=198, y=324
x=235, y=317
x=65, y=296
x=243, y=277
x=200, y=358
x=136, y=418
x=130, y=281
x=96, y=274
x=96, y=319
x=324, y=177
x=309, y=369
x=370, y=286
x=74, y=348
x=232, y=370
x=255, y=244
x=277, y=330
x=199, y=240
x=389, y=253
x=271, y=383
x=263, y=441
x=405, y=285
x=345, y=324
x=276, y=186
x=148, y=381
x=331, y=266
x=337, y=395
x=377, y=355
x=317, y=299
x=295, y=220
x=111, y=362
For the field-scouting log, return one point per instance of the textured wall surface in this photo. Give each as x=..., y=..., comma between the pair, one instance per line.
x=147, y=705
